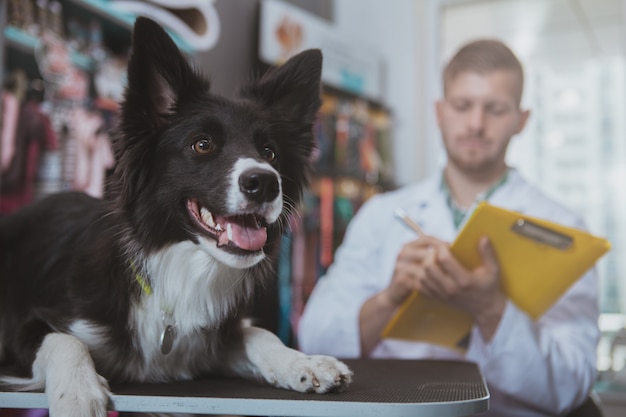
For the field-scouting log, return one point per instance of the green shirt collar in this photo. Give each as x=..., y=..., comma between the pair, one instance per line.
x=458, y=213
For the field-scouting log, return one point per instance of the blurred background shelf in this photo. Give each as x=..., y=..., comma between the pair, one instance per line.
x=28, y=44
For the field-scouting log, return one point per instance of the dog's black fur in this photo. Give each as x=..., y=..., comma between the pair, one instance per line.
x=83, y=279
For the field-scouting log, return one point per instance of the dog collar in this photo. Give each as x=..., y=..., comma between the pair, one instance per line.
x=169, y=331
x=143, y=283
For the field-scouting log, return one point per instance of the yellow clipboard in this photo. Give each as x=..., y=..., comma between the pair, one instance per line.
x=539, y=261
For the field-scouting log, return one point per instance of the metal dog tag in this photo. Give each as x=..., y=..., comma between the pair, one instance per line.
x=167, y=339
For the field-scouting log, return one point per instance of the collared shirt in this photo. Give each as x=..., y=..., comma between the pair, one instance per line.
x=459, y=214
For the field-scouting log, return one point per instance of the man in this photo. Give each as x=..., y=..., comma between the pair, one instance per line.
x=533, y=368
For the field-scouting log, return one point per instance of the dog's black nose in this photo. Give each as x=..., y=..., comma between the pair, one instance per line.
x=259, y=185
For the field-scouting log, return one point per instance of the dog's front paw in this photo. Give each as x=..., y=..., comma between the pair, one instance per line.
x=83, y=395
x=267, y=358
x=320, y=374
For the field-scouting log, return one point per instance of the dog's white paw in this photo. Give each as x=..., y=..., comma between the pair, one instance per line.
x=73, y=387
x=266, y=357
x=318, y=374
x=85, y=393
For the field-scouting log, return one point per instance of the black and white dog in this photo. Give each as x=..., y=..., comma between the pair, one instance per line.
x=149, y=284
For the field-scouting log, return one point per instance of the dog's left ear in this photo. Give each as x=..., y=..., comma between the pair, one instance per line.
x=292, y=89
x=159, y=76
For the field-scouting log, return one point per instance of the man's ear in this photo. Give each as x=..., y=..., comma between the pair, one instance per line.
x=158, y=76
x=291, y=90
x=439, y=112
x=524, y=115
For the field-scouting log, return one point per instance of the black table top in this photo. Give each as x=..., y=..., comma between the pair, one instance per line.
x=380, y=387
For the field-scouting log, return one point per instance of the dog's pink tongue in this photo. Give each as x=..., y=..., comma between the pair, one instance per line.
x=247, y=238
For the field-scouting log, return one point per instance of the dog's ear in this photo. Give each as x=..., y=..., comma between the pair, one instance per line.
x=292, y=89
x=159, y=79
x=158, y=76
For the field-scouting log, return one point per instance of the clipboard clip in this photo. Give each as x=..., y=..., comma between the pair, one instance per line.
x=542, y=234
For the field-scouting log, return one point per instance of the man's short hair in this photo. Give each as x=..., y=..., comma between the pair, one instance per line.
x=482, y=57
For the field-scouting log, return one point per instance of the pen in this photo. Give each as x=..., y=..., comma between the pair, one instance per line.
x=404, y=217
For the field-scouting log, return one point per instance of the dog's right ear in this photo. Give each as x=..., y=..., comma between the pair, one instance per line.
x=158, y=77
x=291, y=90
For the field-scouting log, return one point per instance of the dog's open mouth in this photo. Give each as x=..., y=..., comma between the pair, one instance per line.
x=246, y=231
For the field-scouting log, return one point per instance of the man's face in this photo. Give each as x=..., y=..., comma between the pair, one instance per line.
x=477, y=118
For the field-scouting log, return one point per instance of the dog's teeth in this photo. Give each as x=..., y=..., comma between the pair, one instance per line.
x=207, y=217
x=229, y=231
x=218, y=227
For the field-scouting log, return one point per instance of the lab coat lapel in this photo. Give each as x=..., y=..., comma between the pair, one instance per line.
x=430, y=210
x=513, y=195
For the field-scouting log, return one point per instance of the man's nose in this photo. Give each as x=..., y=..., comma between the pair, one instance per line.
x=476, y=122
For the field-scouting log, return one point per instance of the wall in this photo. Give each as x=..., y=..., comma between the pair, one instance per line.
x=234, y=58
x=399, y=31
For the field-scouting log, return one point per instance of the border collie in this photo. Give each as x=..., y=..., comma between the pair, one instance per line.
x=151, y=283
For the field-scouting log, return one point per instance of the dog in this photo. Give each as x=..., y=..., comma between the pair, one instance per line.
x=152, y=282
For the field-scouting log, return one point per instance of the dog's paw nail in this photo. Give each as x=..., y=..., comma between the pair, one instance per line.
x=315, y=382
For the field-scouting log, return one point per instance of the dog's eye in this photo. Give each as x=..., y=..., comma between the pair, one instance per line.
x=268, y=153
x=203, y=146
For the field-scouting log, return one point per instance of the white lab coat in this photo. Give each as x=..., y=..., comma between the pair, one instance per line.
x=532, y=368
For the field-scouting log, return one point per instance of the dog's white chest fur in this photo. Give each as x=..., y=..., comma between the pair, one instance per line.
x=191, y=293
x=190, y=285
x=188, y=291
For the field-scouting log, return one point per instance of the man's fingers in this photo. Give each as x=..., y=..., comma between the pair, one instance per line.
x=415, y=251
x=488, y=255
x=445, y=283
x=453, y=268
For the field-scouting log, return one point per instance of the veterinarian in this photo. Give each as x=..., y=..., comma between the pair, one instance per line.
x=532, y=368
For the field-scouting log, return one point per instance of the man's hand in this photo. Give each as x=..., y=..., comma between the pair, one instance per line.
x=380, y=308
x=410, y=269
x=428, y=266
